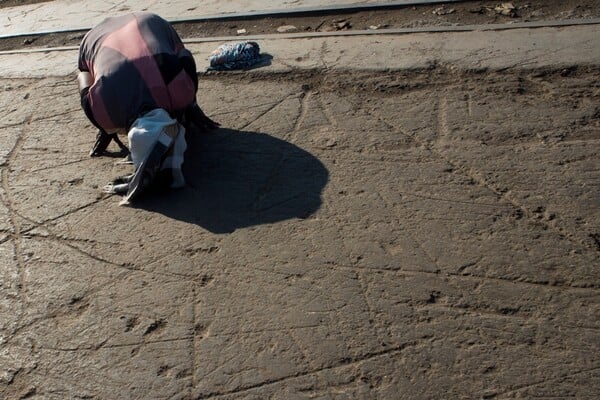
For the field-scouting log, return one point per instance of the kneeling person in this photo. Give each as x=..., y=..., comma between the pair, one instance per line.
x=137, y=76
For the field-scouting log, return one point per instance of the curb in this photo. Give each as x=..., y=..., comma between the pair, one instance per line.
x=387, y=31
x=522, y=48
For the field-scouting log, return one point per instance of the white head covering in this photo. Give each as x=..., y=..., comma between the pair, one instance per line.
x=157, y=125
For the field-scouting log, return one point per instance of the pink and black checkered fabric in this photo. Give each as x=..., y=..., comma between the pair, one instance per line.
x=138, y=63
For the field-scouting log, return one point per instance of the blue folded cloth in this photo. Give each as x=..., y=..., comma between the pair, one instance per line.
x=235, y=56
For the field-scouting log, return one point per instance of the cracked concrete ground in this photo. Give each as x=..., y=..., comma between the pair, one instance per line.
x=425, y=234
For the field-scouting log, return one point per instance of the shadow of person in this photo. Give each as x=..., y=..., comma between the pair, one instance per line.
x=238, y=179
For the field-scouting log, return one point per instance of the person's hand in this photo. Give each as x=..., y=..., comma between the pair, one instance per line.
x=103, y=139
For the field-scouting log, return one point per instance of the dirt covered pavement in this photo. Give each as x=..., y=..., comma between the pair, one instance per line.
x=420, y=233
x=408, y=17
x=409, y=235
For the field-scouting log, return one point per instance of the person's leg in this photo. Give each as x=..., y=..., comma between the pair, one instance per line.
x=194, y=114
x=102, y=137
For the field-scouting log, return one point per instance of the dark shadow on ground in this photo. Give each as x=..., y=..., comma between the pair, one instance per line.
x=265, y=60
x=237, y=179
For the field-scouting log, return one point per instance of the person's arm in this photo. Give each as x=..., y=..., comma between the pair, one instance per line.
x=189, y=66
x=85, y=80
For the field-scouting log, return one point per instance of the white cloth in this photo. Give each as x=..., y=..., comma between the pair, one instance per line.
x=146, y=131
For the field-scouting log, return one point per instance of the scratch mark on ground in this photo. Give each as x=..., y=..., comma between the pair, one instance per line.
x=481, y=181
x=193, y=343
x=265, y=112
x=15, y=234
x=303, y=111
x=350, y=361
x=104, y=346
x=60, y=165
x=541, y=382
x=463, y=276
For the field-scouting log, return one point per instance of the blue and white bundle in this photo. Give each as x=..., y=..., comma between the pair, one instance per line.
x=235, y=56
